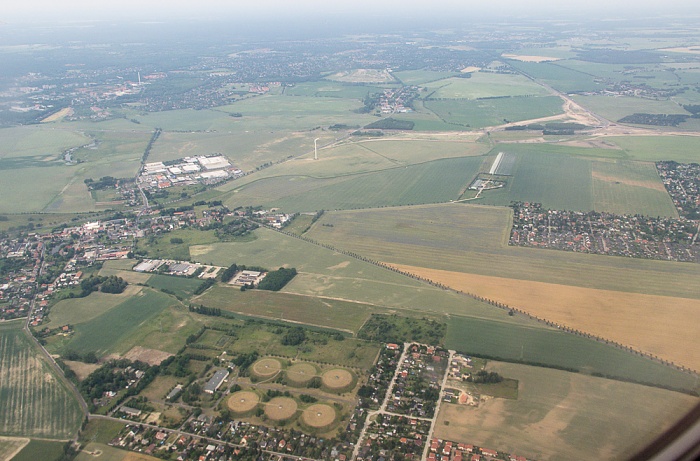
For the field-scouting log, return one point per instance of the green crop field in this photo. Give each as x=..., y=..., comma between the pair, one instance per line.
x=111, y=330
x=615, y=108
x=40, y=179
x=420, y=77
x=556, y=181
x=38, y=141
x=555, y=348
x=327, y=274
x=559, y=180
x=330, y=89
x=181, y=286
x=160, y=247
x=44, y=450
x=80, y=310
x=483, y=85
x=247, y=146
x=684, y=149
x=561, y=415
x=558, y=77
x=624, y=187
x=33, y=402
x=331, y=313
x=437, y=181
x=477, y=243
x=489, y=112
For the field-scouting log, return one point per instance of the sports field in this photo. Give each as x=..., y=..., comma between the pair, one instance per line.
x=558, y=414
x=33, y=402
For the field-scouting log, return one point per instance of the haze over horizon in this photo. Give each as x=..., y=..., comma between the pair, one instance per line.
x=308, y=10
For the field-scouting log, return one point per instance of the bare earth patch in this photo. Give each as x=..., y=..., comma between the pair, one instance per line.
x=659, y=325
x=82, y=370
x=149, y=356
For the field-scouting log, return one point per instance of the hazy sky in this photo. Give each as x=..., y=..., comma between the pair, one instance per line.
x=165, y=9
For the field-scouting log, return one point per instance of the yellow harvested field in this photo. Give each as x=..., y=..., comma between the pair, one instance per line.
x=58, y=115
x=470, y=69
x=660, y=325
x=530, y=58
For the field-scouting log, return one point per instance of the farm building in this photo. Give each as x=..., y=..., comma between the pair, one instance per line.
x=215, y=382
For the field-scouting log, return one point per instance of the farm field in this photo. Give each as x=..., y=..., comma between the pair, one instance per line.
x=420, y=77
x=631, y=319
x=161, y=247
x=247, y=149
x=483, y=85
x=111, y=330
x=624, y=187
x=330, y=275
x=34, y=402
x=47, y=143
x=558, y=349
x=683, y=149
x=490, y=112
x=615, y=108
x=331, y=313
x=555, y=181
x=332, y=89
x=437, y=181
x=180, y=286
x=9, y=446
x=42, y=181
x=558, y=414
x=80, y=310
x=33, y=189
x=561, y=78
x=40, y=449
x=412, y=236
